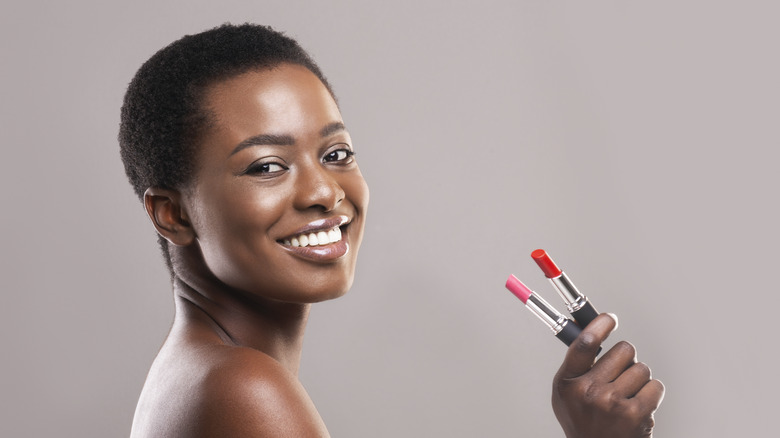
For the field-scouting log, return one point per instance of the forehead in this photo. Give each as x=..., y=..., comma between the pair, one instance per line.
x=284, y=100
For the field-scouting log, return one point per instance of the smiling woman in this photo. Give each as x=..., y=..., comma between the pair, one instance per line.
x=276, y=163
x=234, y=142
x=237, y=148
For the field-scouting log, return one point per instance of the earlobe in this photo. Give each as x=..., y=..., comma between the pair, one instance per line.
x=168, y=216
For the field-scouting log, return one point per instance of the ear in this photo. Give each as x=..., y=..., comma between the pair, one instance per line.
x=169, y=217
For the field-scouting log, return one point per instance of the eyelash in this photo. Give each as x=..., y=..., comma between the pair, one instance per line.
x=332, y=157
x=263, y=168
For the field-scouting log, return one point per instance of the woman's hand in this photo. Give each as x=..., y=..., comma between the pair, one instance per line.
x=614, y=397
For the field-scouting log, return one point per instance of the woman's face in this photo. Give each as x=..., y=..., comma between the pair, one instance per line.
x=274, y=169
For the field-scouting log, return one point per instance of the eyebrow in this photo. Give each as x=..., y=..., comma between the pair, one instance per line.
x=284, y=140
x=264, y=139
x=332, y=128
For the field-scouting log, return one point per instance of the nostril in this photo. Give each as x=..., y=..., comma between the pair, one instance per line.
x=318, y=189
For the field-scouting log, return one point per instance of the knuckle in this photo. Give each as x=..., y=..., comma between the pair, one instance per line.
x=592, y=395
x=579, y=389
x=599, y=398
x=586, y=342
x=643, y=370
x=633, y=412
x=660, y=385
x=647, y=424
x=626, y=348
x=610, y=402
x=660, y=391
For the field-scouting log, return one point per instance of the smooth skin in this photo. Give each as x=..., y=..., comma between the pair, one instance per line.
x=276, y=161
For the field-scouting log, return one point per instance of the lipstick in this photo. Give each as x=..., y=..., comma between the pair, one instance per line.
x=577, y=303
x=564, y=328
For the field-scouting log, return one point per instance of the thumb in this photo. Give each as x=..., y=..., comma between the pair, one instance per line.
x=582, y=353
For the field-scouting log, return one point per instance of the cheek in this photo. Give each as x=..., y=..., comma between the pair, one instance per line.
x=234, y=232
x=356, y=190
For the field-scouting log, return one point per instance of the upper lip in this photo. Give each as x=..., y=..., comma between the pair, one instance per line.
x=320, y=225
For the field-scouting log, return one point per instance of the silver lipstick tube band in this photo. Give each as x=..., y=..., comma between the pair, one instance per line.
x=571, y=296
x=546, y=313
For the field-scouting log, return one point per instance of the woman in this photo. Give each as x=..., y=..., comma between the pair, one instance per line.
x=234, y=142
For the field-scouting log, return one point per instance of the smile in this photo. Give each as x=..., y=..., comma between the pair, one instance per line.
x=320, y=241
x=318, y=238
x=318, y=233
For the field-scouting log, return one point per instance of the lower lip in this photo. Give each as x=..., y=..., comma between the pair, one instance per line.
x=323, y=253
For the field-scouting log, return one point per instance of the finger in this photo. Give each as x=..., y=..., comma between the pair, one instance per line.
x=614, y=362
x=632, y=380
x=582, y=352
x=651, y=395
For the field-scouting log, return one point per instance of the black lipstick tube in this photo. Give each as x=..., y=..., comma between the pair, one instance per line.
x=563, y=328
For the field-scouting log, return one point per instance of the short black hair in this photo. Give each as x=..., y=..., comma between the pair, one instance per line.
x=162, y=117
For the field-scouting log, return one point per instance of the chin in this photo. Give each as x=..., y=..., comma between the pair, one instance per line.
x=306, y=289
x=317, y=295
x=328, y=297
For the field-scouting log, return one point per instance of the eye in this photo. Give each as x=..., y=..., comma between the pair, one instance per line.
x=343, y=155
x=265, y=168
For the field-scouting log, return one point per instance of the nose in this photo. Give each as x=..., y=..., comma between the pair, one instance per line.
x=318, y=188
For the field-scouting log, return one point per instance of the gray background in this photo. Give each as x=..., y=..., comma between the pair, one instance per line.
x=636, y=141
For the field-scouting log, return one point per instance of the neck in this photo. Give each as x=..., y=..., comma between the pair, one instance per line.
x=237, y=319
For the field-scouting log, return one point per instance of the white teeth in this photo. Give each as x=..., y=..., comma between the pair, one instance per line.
x=315, y=239
x=322, y=238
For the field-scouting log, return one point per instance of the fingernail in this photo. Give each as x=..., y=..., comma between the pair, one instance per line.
x=613, y=316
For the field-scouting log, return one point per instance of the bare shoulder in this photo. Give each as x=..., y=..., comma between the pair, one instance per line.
x=250, y=394
x=226, y=392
